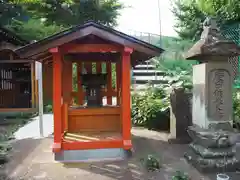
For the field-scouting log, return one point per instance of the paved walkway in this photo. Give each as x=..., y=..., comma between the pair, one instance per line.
x=32, y=159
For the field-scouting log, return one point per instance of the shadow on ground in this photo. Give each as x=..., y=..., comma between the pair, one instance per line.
x=21, y=150
x=41, y=167
x=170, y=156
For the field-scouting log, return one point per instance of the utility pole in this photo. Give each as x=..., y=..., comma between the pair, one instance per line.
x=160, y=22
x=160, y=31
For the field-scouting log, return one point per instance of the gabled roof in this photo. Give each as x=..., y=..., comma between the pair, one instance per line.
x=10, y=37
x=141, y=48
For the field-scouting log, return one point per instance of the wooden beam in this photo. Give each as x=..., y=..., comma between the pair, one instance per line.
x=90, y=48
x=16, y=61
x=54, y=50
x=125, y=103
x=57, y=100
x=74, y=145
x=93, y=57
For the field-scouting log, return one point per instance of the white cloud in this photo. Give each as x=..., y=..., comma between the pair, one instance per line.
x=143, y=15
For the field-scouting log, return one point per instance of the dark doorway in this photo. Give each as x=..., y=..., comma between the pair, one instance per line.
x=15, y=85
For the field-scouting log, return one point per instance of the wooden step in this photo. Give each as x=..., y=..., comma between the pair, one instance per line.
x=148, y=73
x=152, y=81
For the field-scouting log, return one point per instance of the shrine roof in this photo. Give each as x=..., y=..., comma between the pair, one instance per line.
x=10, y=37
x=142, y=50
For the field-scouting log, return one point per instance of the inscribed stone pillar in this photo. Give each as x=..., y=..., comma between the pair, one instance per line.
x=212, y=95
x=213, y=147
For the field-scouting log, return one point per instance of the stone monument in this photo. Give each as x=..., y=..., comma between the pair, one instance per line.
x=213, y=147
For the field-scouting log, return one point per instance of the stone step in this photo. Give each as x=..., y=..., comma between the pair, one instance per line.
x=230, y=164
x=144, y=67
x=210, y=139
x=209, y=153
x=148, y=73
x=152, y=81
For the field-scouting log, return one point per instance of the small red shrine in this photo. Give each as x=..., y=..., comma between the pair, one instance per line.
x=87, y=75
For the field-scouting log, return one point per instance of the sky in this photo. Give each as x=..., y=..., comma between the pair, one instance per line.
x=143, y=16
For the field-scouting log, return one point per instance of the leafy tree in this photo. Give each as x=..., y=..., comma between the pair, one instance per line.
x=73, y=12
x=190, y=14
x=9, y=11
x=33, y=29
x=227, y=11
x=36, y=19
x=189, y=19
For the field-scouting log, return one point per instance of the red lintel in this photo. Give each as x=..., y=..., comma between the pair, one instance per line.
x=54, y=50
x=128, y=50
x=90, y=48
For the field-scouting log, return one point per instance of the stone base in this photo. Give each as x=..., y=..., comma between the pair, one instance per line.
x=185, y=140
x=210, y=165
x=212, y=151
x=92, y=155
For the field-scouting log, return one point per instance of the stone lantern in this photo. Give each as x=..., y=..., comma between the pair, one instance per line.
x=213, y=146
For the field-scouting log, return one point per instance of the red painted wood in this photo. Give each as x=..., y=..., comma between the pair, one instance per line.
x=54, y=50
x=76, y=145
x=87, y=48
x=57, y=99
x=128, y=50
x=125, y=103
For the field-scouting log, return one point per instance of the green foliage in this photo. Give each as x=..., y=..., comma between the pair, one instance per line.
x=180, y=79
x=151, y=163
x=236, y=109
x=180, y=176
x=48, y=108
x=34, y=29
x=9, y=11
x=190, y=14
x=225, y=10
x=74, y=12
x=35, y=19
x=151, y=108
x=189, y=19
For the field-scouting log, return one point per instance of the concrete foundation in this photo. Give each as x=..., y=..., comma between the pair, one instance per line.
x=94, y=155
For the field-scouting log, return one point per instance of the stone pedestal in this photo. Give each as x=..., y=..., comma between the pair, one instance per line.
x=212, y=151
x=213, y=147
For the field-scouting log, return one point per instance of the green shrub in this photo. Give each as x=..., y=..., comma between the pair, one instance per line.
x=179, y=175
x=236, y=110
x=48, y=108
x=151, y=109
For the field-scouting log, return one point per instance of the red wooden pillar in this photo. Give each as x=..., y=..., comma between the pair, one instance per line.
x=125, y=103
x=57, y=98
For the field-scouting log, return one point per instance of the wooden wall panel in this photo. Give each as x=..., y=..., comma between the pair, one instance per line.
x=47, y=83
x=94, y=119
x=67, y=81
